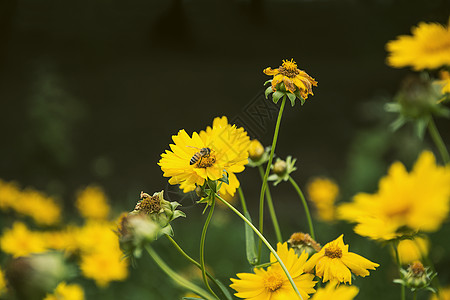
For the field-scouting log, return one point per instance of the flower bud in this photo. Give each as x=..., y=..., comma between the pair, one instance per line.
x=300, y=242
x=255, y=150
x=279, y=167
x=416, y=277
x=282, y=169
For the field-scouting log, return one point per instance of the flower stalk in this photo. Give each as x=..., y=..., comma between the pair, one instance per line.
x=266, y=175
x=437, y=139
x=305, y=205
x=264, y=240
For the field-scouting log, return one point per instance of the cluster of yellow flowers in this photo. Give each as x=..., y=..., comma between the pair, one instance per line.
x=41, y=208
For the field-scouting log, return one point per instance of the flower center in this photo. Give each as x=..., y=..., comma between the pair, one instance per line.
x=273, y=281
x=148, y=204
x=398, y=212
x=289, y=68
x=417, y=268
x=438, y=46
x=206, y=161
x=333, y=252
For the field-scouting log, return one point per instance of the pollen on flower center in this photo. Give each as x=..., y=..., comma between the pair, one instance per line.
x=333, y=252
x=289, y=68
x=273, y=281
x=206, y=161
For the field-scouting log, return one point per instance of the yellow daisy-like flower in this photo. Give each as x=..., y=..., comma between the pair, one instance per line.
x=9, y=194
x=412, y=250
x=323, y=193
x=331, y=291
x=92, y=203
x=418, y=201
x=67, y=292
x=273, y=284
x=43, y=209
x=293, y=78
x=334, y=262
x=192, y=160
x=19, y=241
x=444, y=82
x=427, y=48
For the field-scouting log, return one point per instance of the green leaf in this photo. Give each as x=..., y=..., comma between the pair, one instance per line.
x=268, y=81
x=268, y=91
x=302, y=101
x=276, y=96
x=291, y=97
x=250, y=247
x=224, y=178
x=224, y=290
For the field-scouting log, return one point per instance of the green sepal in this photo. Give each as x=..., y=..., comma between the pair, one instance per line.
x=276, y=96
x=224, y=178
x=166, y=230
x=291, y=97
x=302, y=101
x=250, y=246
x=212, y=185
x=397, y=123
x=268, y=81
x=421, y=126
x=268, y=91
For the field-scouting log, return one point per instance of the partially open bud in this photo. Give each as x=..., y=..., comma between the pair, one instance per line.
x=279, y=167
x=300, y=242
x=417, y=277
x=282, y=169
x=32, y=277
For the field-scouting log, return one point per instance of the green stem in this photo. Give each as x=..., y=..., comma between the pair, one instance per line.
x=271, y=209
x=437, y=139
x=243, y=203
x=177, y=278
x=305, y=205
x=264, y=183
x=415, y=295
x=264, y=240
x=397, y=257
x=190, y=259
x=202, y=248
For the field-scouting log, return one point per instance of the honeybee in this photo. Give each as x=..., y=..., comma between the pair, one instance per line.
x=203, y=152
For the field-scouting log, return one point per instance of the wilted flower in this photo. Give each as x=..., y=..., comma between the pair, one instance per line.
x=300, y=242
x=282, y=169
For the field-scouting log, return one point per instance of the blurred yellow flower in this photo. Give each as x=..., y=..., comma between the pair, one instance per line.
x=293, y=78
x=331, y=291
x=410, y=250
x=43, y=209
x=19, y=241
x=9, y=194
x=334, y=261
x=67, y=292
x=227, y=150
x=2, y=283
x=64, y=240
x=445, y=82
x=104, y=266
x=273, y=282
x=92, y=203
x=323, y=193
x=427, y=48
x=418, y=201
x=96, y=236
x=444, y=294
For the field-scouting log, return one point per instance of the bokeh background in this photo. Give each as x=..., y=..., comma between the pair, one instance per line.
x=92, y=91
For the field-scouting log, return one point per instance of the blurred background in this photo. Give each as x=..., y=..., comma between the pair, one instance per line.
x=92, y=91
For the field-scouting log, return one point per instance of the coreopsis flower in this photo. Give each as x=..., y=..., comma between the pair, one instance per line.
x=417, y=277
x=219, y=150
x=96, y=236
x=273, y=283
x=289, y=80
x=323, y=193
x=300, y=242
x=41, y=208
x=331, y=291
x=427, y=48
x=282, y=170
x=66, y=291
x=398, y=208
x=444, y=82
x=334, y=263
x=92, y=203
x=410, y=250
x=20, y=241
x=9, y=194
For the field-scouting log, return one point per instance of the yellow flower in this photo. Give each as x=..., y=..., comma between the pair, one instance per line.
x=417, y=201
x=64, y=240
x=67, y=292
x=92, y=203
x=445, y=82
x=105, y=266
x=410, y=250
x=188, y=164
x=273, y=283
x=293, y=78
x=43, y=209
x=334, y=261
x=9, y=194
x=19, y=241
x=427, y=48
x=96, y=236
x=2, y=283
x=323, y=193
x=341, y=292
x=444, y=294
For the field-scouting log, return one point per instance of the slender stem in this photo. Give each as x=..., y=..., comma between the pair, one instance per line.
x=415, y=295
x=264, y=183
x=202, y=248
x=190, y=259
x=305, y=205
x=177, y=278
x=265, y=242
x=397, y=257
x=271, y=208
x=243, y=203
x=437, y=139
